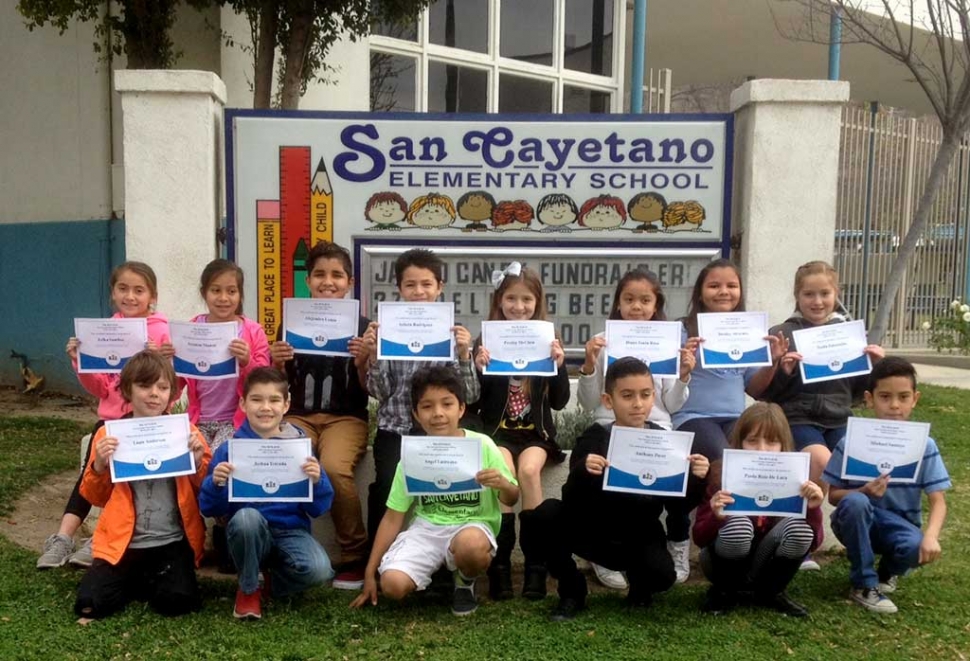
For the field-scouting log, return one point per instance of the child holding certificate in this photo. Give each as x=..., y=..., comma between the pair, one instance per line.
x=419, y=273
x=620, y=531
x=150, y=534
x=884, y=516
x=755, y=554
x=271, y=536
x=134, y=292
x=517, y=413
x=328, y=400
x=454, y=530
x=639, y=297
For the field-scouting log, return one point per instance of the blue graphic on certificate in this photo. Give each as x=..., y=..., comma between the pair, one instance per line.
x=652, y=462
x=436, y=465
x=734, y=339
x=876, y=447
x=269, y=470
x=519, y=348
x=415, y=331
x=832, y=351
x=657, y=343
x=765, y=483
x=105, y=345
x=202, y=350
x=150, y=448
x=320, y=326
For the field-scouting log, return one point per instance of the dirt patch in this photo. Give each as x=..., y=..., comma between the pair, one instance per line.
x=48, y=405
x=38, y=513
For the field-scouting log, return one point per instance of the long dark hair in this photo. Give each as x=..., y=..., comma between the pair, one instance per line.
x=632, y=276
x=696, y=302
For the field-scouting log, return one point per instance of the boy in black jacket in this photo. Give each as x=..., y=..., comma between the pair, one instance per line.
x=620, y=531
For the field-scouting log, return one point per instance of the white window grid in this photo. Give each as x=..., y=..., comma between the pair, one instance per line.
x=424, y=52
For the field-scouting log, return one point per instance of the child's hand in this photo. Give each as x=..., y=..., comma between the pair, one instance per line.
x=239, y=350
x=593, y=349
x=789, y=361
x=491, y=478
x=877, y=487
x=311, y=468
x=281, y=352
x=370, y=341
x=358, y=348
x=72, y=344
x=688, y=360
x=166, y=350
x=558, y=355
x=368, y=594
x=221, y=473
x=197, y=445
x=812, y=493
x=875, y=352
x=103, y=451
x=463, y=342
x=596, y=464
x=779, y=345
x=699, y=465
x=719, y=501
x=929, y=550
x=482, y=358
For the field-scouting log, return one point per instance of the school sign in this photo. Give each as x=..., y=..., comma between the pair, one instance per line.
x=581, y=199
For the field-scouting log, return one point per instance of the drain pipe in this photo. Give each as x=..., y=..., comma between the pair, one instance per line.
x=639, y=55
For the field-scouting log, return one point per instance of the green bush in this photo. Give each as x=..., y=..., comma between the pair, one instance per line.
x=952, y=332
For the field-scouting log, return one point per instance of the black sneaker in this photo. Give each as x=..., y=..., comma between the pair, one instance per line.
x=500, y=582
x=567, y=608
x=534, y=585
x=464, y=601
x=718, y=601
x=639, y=600
x=784, y=604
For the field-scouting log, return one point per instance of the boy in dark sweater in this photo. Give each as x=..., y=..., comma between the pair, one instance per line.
x=620, y=531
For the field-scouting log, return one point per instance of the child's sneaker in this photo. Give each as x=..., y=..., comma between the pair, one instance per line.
x=247, y=606
x=57, y=549
x=567, y=609
x=872, y=599
x=350, y=577
x=465, y=602
x=680, y=554
x=83, y=557
x=889, y=585
x=612, y=579
x=809, y=565
x=500, y=582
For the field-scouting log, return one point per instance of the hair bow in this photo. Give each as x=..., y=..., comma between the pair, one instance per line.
x=499, y=276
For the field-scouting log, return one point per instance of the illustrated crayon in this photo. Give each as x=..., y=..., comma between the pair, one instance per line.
x=294, y=207
x=300, y=289
x=321, y=206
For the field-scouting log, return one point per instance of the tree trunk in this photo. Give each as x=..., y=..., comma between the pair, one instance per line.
x=265, y=53
x=948, y=148
x=301, y=30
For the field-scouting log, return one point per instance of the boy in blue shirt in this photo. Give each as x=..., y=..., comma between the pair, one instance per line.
x=273, y=536
x=882, y=516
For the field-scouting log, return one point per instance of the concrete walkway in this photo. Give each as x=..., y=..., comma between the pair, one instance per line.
x=939, y=375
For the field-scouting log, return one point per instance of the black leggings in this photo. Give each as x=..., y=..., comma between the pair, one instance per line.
x=387, y=454
x=76, y=503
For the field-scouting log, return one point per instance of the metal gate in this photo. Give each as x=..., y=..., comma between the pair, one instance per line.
x=885, y=160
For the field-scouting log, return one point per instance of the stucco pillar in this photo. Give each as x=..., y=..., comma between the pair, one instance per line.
x=172, y=126
x=786, y=167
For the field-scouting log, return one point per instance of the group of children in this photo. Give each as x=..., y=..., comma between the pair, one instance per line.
x=150, y=535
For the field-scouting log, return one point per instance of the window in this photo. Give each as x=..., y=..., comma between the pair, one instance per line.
x=502, y=56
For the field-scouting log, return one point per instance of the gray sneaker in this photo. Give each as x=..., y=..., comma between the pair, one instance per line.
x=82, y=558
x=57, y=549
x=872, y=599
x=465, y=602
x=889, y=585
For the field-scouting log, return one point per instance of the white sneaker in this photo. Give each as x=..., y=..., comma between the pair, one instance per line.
x=83, y=557
x=612, y=579
x=680, y=554
x=809, y=565
x=57, y=549
x=872, y=599
x=889, y=585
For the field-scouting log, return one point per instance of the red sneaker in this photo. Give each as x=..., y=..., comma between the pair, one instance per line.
x=247, y=606
x=350, y=578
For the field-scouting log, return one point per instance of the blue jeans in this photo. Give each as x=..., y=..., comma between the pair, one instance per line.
x=806, y=435
x=710, y=435
x=866, y=530
x=295, y=560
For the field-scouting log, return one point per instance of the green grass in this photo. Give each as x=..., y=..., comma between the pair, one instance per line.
x=36, y=618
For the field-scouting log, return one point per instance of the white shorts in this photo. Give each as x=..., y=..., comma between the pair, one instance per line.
x=421, y=549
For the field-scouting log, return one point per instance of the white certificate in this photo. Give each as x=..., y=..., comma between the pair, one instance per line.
x=876, y=447
x=765, y=483
x=269, y=470
x=734, y=339
x=649, y=461
x=202, y=350
x=415, y=331
x=321, y=326
x=833, y=351
x=105, y=345
x=150, y=448
x=657, y=343
x=519, y=348
x=438, y=465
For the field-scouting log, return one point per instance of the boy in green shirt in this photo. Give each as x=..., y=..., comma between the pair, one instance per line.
x=457, y=530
